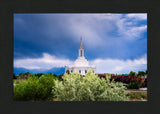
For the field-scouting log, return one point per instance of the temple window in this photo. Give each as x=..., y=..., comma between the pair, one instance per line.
x=81, y=52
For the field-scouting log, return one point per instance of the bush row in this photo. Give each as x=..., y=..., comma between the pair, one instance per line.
x=74, y=87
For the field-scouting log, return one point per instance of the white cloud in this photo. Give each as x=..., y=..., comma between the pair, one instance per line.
x=92, y=27
x=129, y=29
x=138, y=16
x=96, y=28
x=120, y=66
x=47, y=62
x=135, y=32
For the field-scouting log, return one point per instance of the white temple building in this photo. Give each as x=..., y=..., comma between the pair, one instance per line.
x=81, y=64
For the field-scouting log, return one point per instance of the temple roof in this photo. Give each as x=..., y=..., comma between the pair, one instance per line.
x=81, y=61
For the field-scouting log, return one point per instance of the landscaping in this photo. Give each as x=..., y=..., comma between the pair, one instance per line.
x=75, y=87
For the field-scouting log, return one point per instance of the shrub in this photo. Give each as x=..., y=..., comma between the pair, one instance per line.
x=133, y=85
x=126, y=79
x=29, y=90
x=47, y=80
x=34, y=88
x=89, y=88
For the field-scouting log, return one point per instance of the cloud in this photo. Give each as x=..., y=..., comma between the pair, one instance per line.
x=48, y=61
x=120, y=66
x=95, y=29
x=104, y=35
x=130, y=29
x=138, y=16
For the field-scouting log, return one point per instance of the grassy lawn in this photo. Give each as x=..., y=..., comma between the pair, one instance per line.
x=137, y=96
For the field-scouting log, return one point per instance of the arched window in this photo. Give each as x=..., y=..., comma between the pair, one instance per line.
x=79, y=71
x=71, y=70
x=85, y=71
x=81, y=52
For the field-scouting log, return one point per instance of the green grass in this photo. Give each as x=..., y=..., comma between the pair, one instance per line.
x=136, y=95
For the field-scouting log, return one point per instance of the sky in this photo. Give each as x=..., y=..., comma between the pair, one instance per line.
x=114, y=42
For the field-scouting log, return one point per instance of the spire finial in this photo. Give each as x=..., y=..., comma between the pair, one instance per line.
x=81, y=39
x=81, y=42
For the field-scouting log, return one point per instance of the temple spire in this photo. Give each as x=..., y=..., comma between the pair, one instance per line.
x=81, y=50
x=81, y=47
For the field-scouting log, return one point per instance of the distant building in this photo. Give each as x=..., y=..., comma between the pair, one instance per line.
x=81, y=64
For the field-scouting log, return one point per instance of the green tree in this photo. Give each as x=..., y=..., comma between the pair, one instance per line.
x=51, y=74
x=24, y=75
x=39, y=75
x=27, y=73
x=55, y=75
x=20, y=74
x=141, y=73
x=132, y=73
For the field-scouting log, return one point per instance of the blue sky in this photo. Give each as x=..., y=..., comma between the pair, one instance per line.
x=114, y=42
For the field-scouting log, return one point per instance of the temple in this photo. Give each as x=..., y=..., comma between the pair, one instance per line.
x=81, y=64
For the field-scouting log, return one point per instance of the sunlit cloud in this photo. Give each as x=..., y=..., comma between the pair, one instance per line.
x=120, y=66
x=139, y=16
x=46, y=62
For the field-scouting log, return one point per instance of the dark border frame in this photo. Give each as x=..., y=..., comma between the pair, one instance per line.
x=7, y=8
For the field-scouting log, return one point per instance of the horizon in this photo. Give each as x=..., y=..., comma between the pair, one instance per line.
x=115, y=43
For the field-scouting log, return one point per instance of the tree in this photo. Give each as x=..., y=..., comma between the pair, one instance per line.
x=24, y=75
x=50, y=73
x=27, y=73
x=141, y=73
x=132, y=73
x=20, y=74
x=39, y=75
x=124, y=75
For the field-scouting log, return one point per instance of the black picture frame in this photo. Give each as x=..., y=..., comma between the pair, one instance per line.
x=8, y=7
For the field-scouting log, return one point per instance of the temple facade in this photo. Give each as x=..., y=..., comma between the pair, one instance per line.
x=81, y=64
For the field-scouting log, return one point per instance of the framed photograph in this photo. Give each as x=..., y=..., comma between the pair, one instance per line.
x=80, y=57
